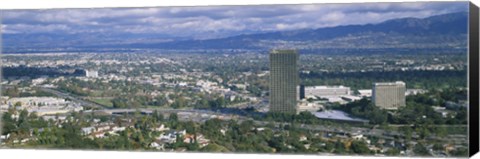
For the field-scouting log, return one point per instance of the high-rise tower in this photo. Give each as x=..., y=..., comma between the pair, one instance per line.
x=283, y=81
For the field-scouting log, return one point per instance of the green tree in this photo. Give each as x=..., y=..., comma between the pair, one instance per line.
x=392, y=152
x=119, y=103
x=18, y=104
x=360, y=147
x=173, y=117
x=214, y=148
x=339, y=147
x=420, y=150
x=8, y=123
x=460, y=152
x=437, y=147
x=157, y=116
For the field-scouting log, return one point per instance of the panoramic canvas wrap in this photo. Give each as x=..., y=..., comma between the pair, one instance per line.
x=375, y=79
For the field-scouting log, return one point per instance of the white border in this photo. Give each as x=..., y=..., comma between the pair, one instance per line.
x=51, y=4
x=48, y=4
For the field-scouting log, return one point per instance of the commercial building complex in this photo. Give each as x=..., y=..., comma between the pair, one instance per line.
x=319, y=91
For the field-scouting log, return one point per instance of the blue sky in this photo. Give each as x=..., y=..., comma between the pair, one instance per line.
x=214, y=21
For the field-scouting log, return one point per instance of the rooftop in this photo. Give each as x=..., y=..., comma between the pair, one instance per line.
x=327, y=87
x=389, y=83
x=286, y=51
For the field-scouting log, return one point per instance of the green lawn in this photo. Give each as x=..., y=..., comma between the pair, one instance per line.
x=102, y=101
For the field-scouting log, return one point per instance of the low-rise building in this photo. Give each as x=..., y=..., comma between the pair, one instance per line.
x=88, y=130
x=414, y=91
x=320, y=91
x=118, y=129
x=161, y=128
x=91, y=73
x=310, y=107
x=365, y=92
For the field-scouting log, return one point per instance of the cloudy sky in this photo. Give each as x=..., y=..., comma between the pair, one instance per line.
x=215, y=21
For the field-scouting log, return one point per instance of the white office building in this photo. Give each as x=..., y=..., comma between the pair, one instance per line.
x=389, y=95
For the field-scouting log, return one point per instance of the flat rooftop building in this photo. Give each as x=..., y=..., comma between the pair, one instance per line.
x=320, y=91
x=91, y=73
x=389, y=95
x=365, y=92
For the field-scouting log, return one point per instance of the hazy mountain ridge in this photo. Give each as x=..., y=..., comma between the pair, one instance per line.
x=441, y=31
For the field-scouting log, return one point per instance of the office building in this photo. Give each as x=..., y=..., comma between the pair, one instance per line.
x=320, y=91
x=389, y=95
x=283, y=81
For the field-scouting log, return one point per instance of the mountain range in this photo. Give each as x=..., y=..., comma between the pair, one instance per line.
x=446, y=31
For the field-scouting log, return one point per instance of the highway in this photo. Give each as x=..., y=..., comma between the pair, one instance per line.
x=375, y=132
x=333, y=129
x=73, y=98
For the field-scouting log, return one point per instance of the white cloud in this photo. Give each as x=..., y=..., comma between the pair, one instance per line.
x=333, y=17
x=4, y=30
x=215, y=21
x=22, y=28
x=283, y=26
